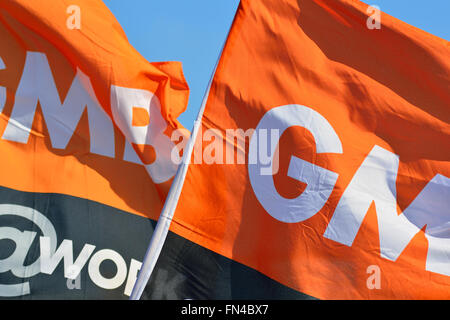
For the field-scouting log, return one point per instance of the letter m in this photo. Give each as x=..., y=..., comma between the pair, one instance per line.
x=37, y=84
x=375, y=182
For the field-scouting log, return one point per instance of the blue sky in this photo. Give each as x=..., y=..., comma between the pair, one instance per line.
x=193, y=32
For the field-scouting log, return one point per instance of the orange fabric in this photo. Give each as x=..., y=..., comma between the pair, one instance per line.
x=100, y=50
x=387, y=87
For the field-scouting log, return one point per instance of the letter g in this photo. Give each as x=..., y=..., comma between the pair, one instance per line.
x=320, y=181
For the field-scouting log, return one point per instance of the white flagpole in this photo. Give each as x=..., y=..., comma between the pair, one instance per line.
x=165, y=219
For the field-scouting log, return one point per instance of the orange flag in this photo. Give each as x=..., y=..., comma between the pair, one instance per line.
x=322, y=166
x=85, y=129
